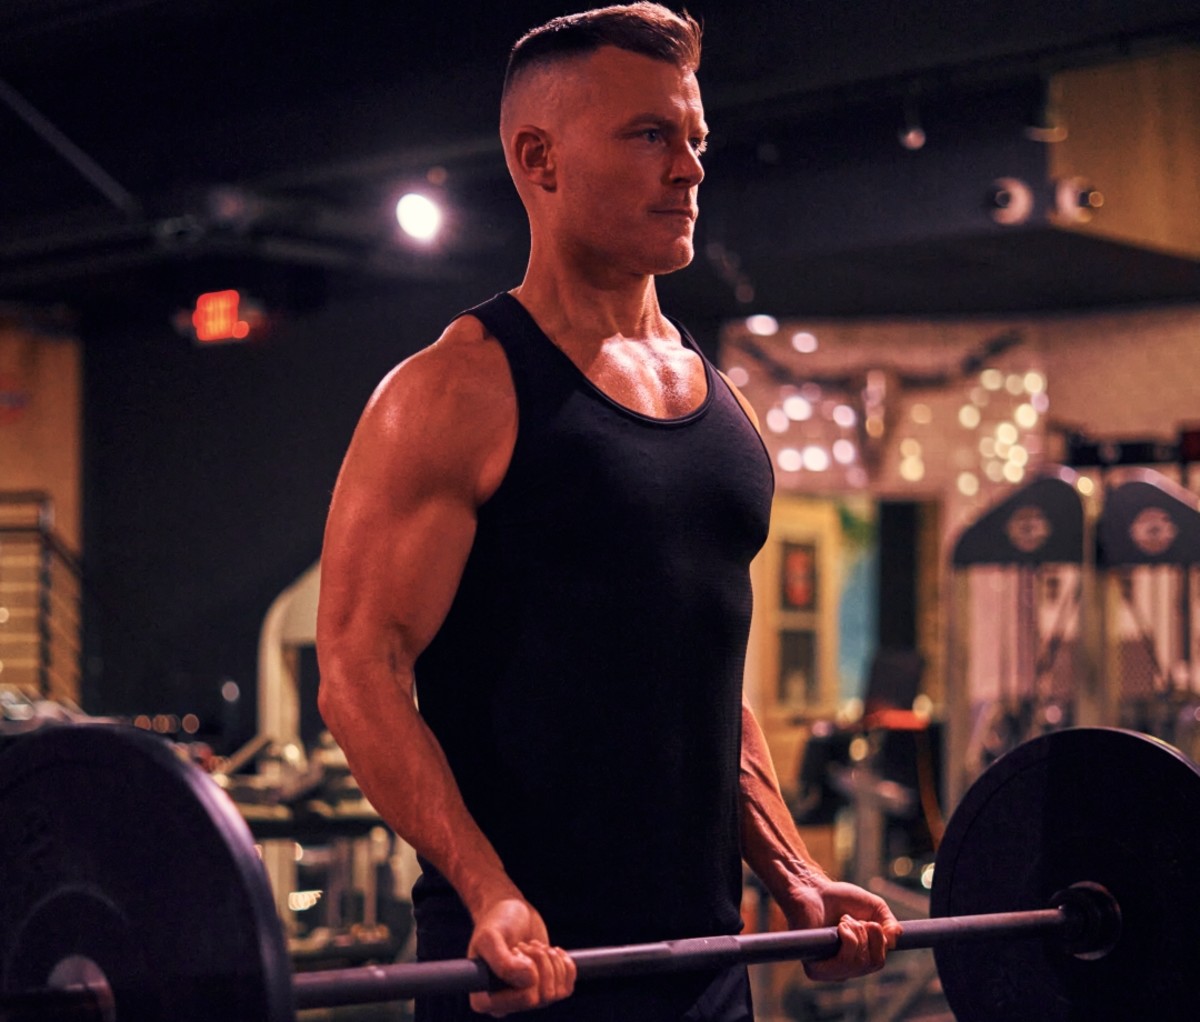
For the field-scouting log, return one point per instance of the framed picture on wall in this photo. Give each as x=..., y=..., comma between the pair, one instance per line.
x=798, y=576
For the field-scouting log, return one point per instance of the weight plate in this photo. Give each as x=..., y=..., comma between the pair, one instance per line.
x=1089, y=804
x=115, y=850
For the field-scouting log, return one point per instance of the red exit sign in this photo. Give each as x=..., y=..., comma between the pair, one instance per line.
x=223, y=316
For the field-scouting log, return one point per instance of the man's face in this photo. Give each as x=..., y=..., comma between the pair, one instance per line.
x=628, y=167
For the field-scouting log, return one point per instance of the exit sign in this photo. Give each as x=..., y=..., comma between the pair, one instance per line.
x=221, y=316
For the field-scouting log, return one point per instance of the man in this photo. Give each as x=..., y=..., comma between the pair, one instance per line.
x=543, y=526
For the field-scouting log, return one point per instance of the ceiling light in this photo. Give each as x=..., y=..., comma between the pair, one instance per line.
x=419, y=216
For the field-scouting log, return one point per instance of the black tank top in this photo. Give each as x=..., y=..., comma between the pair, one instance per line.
x=586, y=683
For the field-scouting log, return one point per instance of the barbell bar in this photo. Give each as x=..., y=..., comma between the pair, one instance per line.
x=99, y=921
x=1087, y=918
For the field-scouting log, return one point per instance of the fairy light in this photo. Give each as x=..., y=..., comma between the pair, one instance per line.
x=790, y=459
x=815, y=458
x=1025, y=416
x=738, y=376
x=844, y=452
x=797, y=408
x=778, y=421
x=804, y=342
x=762, y=325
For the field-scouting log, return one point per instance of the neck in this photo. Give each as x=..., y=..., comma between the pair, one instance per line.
x=571, y=302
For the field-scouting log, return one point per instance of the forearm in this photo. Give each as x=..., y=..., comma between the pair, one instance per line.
x=403, y=771
x=771, y=844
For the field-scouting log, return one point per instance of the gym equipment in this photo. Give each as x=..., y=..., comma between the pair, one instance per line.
x=1148, y=549
x=130, y=889
x=1018, y=591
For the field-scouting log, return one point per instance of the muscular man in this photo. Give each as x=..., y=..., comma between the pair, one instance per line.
x=543, y=529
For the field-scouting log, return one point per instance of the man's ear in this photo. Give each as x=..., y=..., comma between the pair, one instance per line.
x=533, y=157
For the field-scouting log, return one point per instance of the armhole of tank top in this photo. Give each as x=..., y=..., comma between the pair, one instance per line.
x=518, y=375
x=717, y=379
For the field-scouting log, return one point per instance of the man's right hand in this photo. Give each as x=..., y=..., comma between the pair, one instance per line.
x=511, y=937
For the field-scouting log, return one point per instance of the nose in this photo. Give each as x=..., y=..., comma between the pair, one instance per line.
x=686, y=169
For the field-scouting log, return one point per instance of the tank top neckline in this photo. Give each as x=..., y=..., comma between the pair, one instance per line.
x=652, y=420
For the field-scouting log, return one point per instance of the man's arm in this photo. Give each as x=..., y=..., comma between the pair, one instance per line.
x=773, y=848
x=432, y=444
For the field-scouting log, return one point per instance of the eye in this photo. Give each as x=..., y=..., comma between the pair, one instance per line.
x=652, y=134
x=699, y=145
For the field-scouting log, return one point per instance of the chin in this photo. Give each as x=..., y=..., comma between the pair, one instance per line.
x=679, y=257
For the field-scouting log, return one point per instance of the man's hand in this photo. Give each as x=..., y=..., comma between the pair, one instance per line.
x=511, y=937
x=866, y=926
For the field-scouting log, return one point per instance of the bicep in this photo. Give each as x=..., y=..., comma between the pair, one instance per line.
x=399, y=531
x=389, y=573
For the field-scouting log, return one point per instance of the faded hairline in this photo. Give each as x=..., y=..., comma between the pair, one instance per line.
x=646, y=28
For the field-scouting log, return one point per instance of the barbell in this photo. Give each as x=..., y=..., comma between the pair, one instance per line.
x=1065, y=889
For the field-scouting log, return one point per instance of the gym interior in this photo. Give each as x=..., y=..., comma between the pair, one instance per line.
x=951, y=257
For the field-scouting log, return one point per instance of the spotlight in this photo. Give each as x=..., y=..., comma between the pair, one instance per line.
x=1075, y=200
x=1010, y=201
x=419, y=216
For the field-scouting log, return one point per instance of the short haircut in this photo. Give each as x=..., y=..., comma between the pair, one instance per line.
x=646, y=28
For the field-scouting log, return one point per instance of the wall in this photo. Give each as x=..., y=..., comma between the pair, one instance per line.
x=1149, y=181
x=39, y=415
x=209, y=473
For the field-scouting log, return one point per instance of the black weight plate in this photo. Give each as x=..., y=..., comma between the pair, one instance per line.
x=115, y=849
x=1113, y=807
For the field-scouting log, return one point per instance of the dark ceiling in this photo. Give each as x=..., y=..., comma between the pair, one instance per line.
x=145, y=143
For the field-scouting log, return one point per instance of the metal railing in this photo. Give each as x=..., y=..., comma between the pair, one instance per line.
x=40, y=602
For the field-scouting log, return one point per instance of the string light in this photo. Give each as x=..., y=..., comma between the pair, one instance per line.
x=815, y=458
x=762, y=325
x=738, y=376
x=844, y=452
x=797, y=408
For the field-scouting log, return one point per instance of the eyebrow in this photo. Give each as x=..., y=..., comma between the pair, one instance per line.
x=662, y=121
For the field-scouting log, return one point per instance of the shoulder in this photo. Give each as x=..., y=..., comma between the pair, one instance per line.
x=464, y=360
x=741, y=400
x=463, y=372
x=451, y=405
